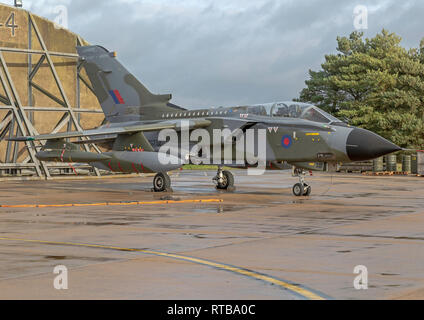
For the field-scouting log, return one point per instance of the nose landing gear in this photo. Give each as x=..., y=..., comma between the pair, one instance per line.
x=302, y=188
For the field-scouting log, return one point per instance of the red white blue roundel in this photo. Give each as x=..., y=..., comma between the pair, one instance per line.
x=287, y=141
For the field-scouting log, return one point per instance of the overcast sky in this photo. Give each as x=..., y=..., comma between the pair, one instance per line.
x=228, y=52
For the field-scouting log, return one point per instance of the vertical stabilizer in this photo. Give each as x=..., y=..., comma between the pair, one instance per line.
x=121, y=96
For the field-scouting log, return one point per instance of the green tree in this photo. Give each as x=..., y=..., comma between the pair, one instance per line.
x=375, y=84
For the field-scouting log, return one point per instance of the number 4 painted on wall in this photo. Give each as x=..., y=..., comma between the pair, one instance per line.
x=11, y=23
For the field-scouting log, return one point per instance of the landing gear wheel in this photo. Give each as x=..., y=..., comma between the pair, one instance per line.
x=226, y=182
x=298, y=190
x=308, y=190
x=161, y=182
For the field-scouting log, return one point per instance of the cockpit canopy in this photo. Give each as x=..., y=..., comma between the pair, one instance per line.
x=293, y=110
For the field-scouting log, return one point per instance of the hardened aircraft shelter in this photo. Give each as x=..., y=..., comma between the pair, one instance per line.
x=42, y=90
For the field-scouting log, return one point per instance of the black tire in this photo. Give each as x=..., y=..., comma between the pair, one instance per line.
x=308, y=191
x=228, y=182
x=298, y=190
x=161, y=182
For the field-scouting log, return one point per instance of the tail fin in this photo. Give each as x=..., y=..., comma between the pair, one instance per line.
x=121, y=96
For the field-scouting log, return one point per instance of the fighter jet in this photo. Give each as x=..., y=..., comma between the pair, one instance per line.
x=297, y=134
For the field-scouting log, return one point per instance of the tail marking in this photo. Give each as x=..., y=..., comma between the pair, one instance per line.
x=117, y=96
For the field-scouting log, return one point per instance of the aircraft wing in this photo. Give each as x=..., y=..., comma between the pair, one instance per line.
x=176, y=125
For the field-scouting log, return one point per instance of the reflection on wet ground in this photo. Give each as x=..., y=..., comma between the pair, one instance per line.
x=348, y=220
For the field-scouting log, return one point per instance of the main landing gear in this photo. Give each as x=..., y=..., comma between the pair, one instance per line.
x=224, y=180
x=302, y=188
x=162, y=183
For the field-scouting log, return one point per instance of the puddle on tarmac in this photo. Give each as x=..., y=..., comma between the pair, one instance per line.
x=98, y=259
x=360, y=195
x=55, y=257
x=177, y=226
x=101, y=224
x=76, y=223
x=224, y=209
x=170, y=198
x=217, y=237
x=301, y=201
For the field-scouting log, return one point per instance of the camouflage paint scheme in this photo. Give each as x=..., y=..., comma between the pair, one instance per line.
x=299, y=134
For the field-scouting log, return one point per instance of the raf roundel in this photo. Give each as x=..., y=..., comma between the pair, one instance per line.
x=287, y=141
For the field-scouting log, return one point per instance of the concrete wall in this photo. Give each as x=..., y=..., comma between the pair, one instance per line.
x=57, y=40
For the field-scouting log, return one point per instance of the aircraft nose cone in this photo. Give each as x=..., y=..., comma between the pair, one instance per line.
x=365, y=145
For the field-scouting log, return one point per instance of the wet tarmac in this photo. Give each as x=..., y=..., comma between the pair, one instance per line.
x=261, y=242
